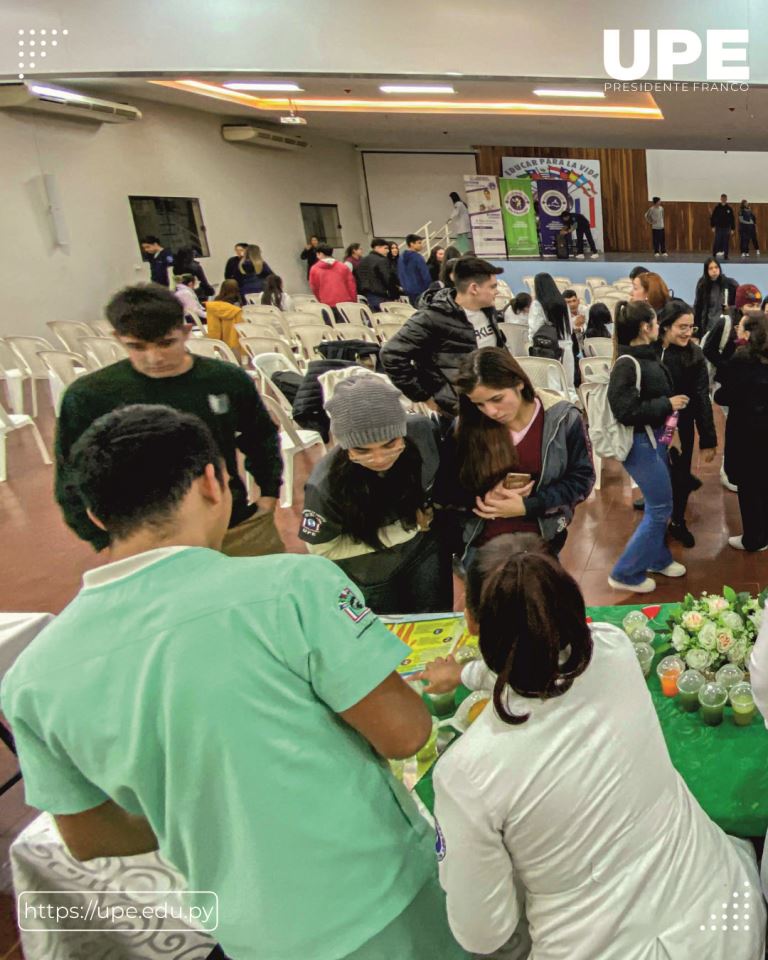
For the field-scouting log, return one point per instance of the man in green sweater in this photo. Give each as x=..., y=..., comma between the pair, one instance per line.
x=149, y=321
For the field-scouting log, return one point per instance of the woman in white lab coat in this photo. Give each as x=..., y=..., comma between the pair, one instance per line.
x=560, y=803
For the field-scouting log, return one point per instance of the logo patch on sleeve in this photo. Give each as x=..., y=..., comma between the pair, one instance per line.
x=219, y=403
x=311, y=523
x=350, y=604
x=439, y=843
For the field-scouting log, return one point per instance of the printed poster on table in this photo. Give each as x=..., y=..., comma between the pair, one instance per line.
x=519, y=217
x=582, y=178
x=552, y=197
x=485, y=216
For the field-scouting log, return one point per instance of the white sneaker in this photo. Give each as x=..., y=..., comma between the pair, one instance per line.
x=727, y=483
x=719, y=253
x=594, y=256
x=665, y=254
x=647, y=585
x=673, y=569
x=757, y=253
x=745, y=254
x=737, y=544
x=579, y=256
x=657, y=254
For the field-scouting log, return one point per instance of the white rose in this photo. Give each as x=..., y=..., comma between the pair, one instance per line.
x=680, y=638
x=693, y=620
x=708, y=636
x=731, y=620
x=716, y=604
x=697, y=659
x=737, y=652
x=724, y=640
x=756, y=618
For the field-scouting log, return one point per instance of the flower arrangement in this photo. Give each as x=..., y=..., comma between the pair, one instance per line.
x=714, y=629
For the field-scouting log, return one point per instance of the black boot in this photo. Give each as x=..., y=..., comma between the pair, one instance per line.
x=681, y=533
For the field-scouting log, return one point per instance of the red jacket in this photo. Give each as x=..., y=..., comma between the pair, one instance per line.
x=332, y=282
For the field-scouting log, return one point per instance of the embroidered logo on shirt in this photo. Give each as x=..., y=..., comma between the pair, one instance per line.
x=219, y=403
x=311, y=523
x=439, y=843
x=350, y=604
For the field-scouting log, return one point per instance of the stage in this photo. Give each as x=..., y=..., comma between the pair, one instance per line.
x=681, y=271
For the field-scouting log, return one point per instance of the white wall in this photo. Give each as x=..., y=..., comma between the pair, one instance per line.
x=704, y=174
x=245, y=193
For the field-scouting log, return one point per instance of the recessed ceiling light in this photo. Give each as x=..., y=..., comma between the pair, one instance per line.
x=265, y=86
x=293, y=120
x=587, y=94
x=389, y=88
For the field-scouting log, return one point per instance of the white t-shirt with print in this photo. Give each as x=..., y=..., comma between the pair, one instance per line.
x=484, y=333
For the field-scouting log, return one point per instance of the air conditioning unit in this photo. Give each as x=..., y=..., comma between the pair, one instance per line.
x=261, y=137
x=41, y=97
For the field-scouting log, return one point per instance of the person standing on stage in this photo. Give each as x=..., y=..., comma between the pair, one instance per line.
x=655, y=217
x=747, y=229
x=723, y=223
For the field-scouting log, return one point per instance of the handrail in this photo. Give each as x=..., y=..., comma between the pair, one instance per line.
x=429, y=238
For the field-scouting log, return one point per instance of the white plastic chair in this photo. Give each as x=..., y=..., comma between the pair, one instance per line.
x=528, y=281
x=296, y=319
x=355, y=331
x=595, y=281
x=562, y=283
x=598, y=347
x=102, y=328
x=269, y=363
x=253, y=298
x=10, y=422
x=255, y=309
x=102, y=351
x=293, y=440
x=595, y=369
x=582, y=291
x=308, y=338
x=517, y=337
x=319, y=309
x=212, y=348
x=15, y=375
x=547, y=374
x=355, y=313
x=261, y=329
x=388, y=329
x=27, y=349
x=64, y=367
x=610, y=301
x=393, y=306
x=69, y=332
x=606, y=289
x=302, y=298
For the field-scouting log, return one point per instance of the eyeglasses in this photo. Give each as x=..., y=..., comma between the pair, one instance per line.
x=356, y=457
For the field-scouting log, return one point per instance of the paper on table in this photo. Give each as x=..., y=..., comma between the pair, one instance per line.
x=429, y=636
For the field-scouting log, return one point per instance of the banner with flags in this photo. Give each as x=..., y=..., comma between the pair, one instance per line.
x=582, y=180
x=485, y=215
x=552, y=199
x=519, y=217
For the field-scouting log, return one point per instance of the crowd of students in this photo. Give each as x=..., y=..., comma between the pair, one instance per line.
x=208, y=656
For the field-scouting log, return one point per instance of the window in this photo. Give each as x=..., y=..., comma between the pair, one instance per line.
x=177, y=221
x=322, y=221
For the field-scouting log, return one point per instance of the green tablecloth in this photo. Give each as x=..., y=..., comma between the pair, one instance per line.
x=725, y=767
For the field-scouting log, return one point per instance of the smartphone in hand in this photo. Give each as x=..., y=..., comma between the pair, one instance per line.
x=516, y=481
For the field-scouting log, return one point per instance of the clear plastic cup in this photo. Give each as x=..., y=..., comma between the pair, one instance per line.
x=712, y=698
x=668, y=670
x=644, y=653
x=743, y=703
x=688, y=685
x=429, y=751
x=642, y=633
x=728, y=675
x=443, y=704
x=633, y=620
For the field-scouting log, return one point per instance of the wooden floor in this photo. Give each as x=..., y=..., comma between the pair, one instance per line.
x=42, y=564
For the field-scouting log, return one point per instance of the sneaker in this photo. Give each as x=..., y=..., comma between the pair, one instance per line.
x=657, y=254
x=745, y=254
x=757, y=253
x=673, y=569
x=737, y=544
x=719, y=253
x=681, y=533
x=646, y=586
x=594, y=256
x=638, y=504
x=579, y=256
x=727, y=483
x=665, y=254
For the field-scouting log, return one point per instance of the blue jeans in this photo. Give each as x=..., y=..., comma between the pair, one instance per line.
x=647, y=548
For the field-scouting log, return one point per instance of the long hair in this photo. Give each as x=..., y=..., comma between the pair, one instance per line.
x=629, y=316
x=370, y=501
x=351, y=249
x=552, y=301
x=530, y=614
x=433, y=264
x=183, y=261
x=484, y=448
x=656, y=290
x=229, y=292
x=708, y=281
x=598, y=318
x=756, y=348
x=273, y=291
x=392, y=258
x=254, y=257
x=521, y=302
x=455, y=197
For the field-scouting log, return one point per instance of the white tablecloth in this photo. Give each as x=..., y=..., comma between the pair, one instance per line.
x=17, y=631
x=40, y=862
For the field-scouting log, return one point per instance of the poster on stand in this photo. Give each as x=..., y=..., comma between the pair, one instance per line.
x=552, y=200
x=485, y=215
x=519, y=217
x=582, y=178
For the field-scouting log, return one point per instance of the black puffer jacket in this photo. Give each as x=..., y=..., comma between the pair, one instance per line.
x=308, y=409
x=375, y=276
x=728, y=289
x=422, y=359
x=744, y=391
x=690, y=377
x=651, y=406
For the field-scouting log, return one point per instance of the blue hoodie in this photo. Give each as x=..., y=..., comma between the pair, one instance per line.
x=413, y=272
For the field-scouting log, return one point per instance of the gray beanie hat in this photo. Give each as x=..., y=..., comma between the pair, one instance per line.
x=365, y=410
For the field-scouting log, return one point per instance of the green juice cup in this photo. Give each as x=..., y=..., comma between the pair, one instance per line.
x=688, y=686
x=743, y=704
x=712, y=698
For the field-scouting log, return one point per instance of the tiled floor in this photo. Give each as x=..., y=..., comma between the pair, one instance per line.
x=42, y=563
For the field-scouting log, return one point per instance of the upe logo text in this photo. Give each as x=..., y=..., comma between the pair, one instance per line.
x=725, y=50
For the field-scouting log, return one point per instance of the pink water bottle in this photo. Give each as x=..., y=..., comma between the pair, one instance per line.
x=670, y=425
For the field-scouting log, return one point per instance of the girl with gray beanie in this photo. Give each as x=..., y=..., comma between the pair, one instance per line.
x=367, y=503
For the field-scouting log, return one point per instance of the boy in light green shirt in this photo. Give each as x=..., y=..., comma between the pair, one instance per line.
x=233, y=713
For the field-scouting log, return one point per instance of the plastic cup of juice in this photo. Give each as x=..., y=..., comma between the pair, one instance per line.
x=442, y=703
x=728, y=675
x=688, y=686
x=668, y=670
x=644, y=653
x=633, y=620
x=642, y=633
x=712, y=697
x=743, y=703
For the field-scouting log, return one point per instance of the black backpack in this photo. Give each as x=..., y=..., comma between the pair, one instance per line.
x=545, y=343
